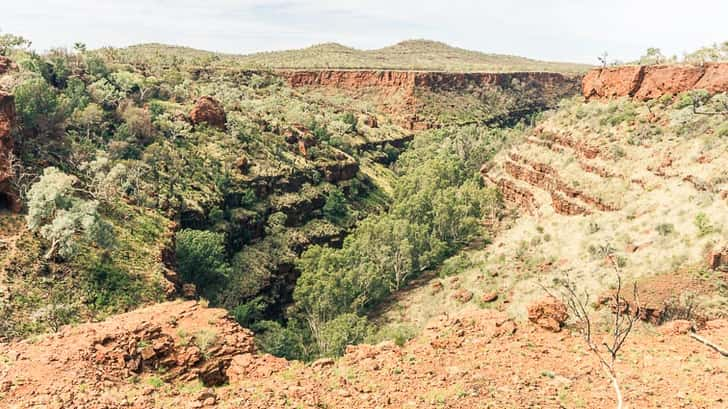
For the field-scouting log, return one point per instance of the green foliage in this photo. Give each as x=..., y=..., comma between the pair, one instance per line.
x=289, y=341
x=665, y=229
x=246, y=314
x=110, y=288
x=58, y=214
x=201, y=258
x=654, y=56
x=346, y=329
x=437, y=206
x=350, y=119
x=715, y=52
x=10, y=42
x=335, y=208
x=703, y=224
x=38, y=106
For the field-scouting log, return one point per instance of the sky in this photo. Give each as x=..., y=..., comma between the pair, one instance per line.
x=556, y=30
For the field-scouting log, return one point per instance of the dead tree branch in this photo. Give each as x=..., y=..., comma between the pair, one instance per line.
x=709, y=344
x=625, y=317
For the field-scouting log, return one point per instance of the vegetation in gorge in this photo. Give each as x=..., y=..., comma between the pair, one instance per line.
x=437, y=207
x=108, y=162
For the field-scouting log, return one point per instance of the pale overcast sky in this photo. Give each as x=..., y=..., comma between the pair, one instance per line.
x=567, y=30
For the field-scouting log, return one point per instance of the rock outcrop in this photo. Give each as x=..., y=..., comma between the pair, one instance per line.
x=483, y=352
x=399, y=93
x=549, y=313
x=175, y=341
x=208, y=110
x=6, y=64
x=654, y=81
x=8, y=198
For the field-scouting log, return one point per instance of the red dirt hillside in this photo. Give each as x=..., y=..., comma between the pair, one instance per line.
x=150, y=358
x=648, y=82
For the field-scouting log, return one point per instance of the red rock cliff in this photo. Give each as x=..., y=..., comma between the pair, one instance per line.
x=7, y=121
x=398, y=90
x=434, y=81
x=654, y=81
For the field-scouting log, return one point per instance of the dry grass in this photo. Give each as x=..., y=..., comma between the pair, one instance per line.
x=659, y=219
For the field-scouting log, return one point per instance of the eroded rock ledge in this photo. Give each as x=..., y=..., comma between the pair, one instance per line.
x=654, y=81
x=399, y=93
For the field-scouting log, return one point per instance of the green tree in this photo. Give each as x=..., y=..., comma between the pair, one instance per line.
x=201, y=258
x=335, y=208
x=38, y=106
x=346, y=329
x=57, y=212
x=10, y=42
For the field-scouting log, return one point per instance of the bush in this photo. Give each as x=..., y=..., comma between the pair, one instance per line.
x=248, y=313
x=703, y=224
x=350, y=119
x=58, y=214
x=665, y=228
x=288, y=342
x=201, y=258
x=38, y=106
x=346, y=329
x=335, y=208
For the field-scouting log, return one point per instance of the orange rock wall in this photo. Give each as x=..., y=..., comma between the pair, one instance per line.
x=397, y=91
x=654, y=81
x=7, y=121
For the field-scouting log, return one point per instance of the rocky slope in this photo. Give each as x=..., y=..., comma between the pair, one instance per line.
x=164, y=356
x=654, y=81
x=407, y=95
x=87, y=365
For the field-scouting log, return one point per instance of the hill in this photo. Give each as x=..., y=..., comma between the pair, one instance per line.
x=419, y=55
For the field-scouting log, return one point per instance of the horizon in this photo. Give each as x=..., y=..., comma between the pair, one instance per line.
x=558, y=31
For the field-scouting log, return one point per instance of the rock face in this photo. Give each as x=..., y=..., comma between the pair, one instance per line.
x=718, y=258
x=210, y=111
x=648, y=82
x=176, y=341
x=8, y=199
x=549, y=313
x=398, y=92
x=6, y=64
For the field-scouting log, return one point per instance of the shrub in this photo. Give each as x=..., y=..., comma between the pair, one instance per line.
x=248, y=313
x=350, y=119
x=335, y=208
x=201, y=258
x=703, y=224
x=38, y=106
x=288, y=342
x=58, y=214
x=665, y=228
x=346, y=329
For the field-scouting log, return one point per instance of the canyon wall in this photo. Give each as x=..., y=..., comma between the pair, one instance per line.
x=7, y=120
x=404, y=94
x=654, y=81
x=433, y=81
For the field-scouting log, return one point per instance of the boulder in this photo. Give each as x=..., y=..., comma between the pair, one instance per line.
x=463, y=295
x=548, y=313
x=6, y=65
x=677, y=327
x=208, y=110
x=489, y=296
